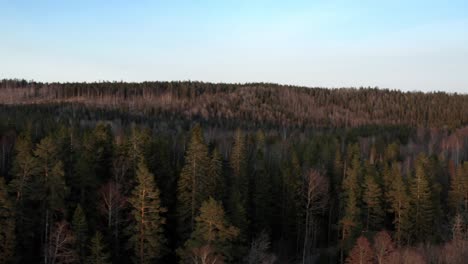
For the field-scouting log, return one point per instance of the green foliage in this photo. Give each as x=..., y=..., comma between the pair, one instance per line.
x=214, y=181
x=80, y=230
x=7, y=225
x=24, y=168
x=399, y=201
x=239, y=183
x=98, y=252
x=372, y=199
x=212, y=229
x=191, y=187
x=53, y=189
x=146, y=231
x=422, y=208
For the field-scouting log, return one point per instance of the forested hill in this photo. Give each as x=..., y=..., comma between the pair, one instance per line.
x=257, y=103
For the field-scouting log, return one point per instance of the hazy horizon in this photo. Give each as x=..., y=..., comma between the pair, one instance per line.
x=417, y=46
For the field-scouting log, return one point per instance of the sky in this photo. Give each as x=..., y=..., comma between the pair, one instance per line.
x=407, y=45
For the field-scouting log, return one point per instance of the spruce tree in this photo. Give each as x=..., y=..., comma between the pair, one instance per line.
x=292, y=199
x=261, y=193
x=52, y=189
x=458, y=193
x=215, y=182
x=372, y=198
x=191, y=186
x=146, y=231
x=239, y=183
x=422, y=210
x=7, y=225
x=98, y=252
x=399, y=201
x=212, y=231
x=350, y=222
x=80, y=230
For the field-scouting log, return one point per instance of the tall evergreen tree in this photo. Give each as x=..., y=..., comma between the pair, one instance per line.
x=52, y=188
x=80, y=229
x=191, y=187
x=213, y=231
x=458, y=193
x=98, y=252
x=261, y=193
x=146, y=232
x=372, y=198
x=24, y=168
x=239, y=182
x=422, y=210
x=215, y=182
x=399, y=201
x=350, y=223
x=7, y=225
x=291, y=202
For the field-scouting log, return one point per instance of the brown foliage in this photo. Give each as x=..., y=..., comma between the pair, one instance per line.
x=361, y=253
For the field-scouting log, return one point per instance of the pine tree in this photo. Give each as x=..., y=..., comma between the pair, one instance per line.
x=372, y=198
x=191, y=187
x=212, y=230
x=80, y=229
x=399, y=201
x=98, y=252
x=146, y=232
x=421, y=201
x=7, y=225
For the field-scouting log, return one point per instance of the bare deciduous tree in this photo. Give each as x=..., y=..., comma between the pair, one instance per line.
x=316, y=198
x=61, y=245
x=206, y=255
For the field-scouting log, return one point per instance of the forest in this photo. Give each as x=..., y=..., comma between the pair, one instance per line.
x=193, y=172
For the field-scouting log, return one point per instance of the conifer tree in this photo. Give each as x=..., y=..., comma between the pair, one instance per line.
x=7, y=225
x=214, y=182
x=350, y=222
x=98, y=252
x=24, y=168
x=372, y=198
x=191, y=187
x=52, y=187
x=80, y=230
x=399, y=201
x=146, y=232
x=212, y=230
x=292, y=201
x=239, y=185
x=421, y=201
x=458, y=193
x=261, y=193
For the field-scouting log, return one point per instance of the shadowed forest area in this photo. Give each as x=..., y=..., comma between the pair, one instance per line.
x=192, y=172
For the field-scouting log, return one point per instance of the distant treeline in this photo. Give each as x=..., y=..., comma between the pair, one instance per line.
x=259, y=104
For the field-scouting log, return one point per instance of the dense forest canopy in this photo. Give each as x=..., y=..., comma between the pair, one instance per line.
x=191, y=172
x=255, y=103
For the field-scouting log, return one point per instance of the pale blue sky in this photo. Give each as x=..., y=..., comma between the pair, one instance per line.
x=408, y=45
